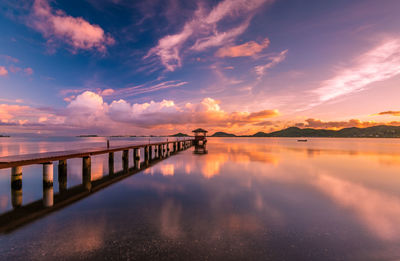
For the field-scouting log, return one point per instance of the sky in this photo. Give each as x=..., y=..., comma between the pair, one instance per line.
x=119, y=67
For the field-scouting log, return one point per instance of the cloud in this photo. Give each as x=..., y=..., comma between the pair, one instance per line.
x=220, y=38
x=392, y=113
x=14, y=115
x=15, y=69
x=28, y=71
x=274, y=60
x=8, y=58
x=124, y=92
x=247, y=49
x=378, y=64
x=88, y=111
x=56, y=25
x=202, y=29
x=146, y=88
x=315, y=123
x=107, y=92
x=378, y=211
x=3, y=71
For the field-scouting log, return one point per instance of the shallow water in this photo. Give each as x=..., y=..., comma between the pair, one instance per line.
x=248, y=198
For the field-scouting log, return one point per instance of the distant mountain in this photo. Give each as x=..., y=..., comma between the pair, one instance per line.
x=179, y=135
x=223, y=134
x=382, y=131
x=260, y=134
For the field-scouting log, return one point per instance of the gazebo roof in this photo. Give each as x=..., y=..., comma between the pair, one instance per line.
x=199, y=130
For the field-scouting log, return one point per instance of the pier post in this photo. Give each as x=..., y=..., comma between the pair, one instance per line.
x=48, y=174
x=160, y=154
x=87, y=172
x=111, y=163
x=150, y=153
x=16, y=186
x=62, y=175
x=167, y=149
x=136, y=156
x=163, y=150
x=125, y=161
x=146, y=153
x=48, y=195
x=174, y=147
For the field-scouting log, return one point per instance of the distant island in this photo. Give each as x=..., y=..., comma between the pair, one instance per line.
x=223, y=134
x=382, y=131
x=179, y=135
x=4, y=136
x=86, y=136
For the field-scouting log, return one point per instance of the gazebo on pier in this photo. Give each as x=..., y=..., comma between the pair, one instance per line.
x=200, y=137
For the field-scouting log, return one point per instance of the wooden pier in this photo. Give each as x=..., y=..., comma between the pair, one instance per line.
x=153, y=153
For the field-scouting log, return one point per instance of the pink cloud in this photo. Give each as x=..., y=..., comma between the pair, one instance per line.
x=107, y=92
x=14, y=69
x=75, y=31
x=378, y=64
x=274, y=60
x=378, y=211
x=23, y=114
x=9, y=58
x=28, y=71
x=202, y=28
x=220, y=38
x=247, y=49
x=3, y=71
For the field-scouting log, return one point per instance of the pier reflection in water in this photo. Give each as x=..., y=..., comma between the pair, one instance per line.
x=269, y=199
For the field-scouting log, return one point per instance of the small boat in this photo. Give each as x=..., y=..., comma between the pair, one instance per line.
x=302, y=140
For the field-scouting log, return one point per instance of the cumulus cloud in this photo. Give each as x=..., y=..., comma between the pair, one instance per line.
x=56, y=25
x=378, y=64
x=3, y=71
x=202, y=29
x=319, y=124
x=392, y=113
x=274, y=60
x=88, y=111
x=247, y=49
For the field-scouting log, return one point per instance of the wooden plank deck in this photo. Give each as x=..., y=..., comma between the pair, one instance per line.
x=38, y=158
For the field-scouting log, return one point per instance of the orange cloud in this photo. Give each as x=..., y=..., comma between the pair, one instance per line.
x=247, y=49
x=315, y=123
x=393, y=113
x=3, y=71
x=76, y=31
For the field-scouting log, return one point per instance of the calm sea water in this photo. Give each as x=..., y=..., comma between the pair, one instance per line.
x=247, y=199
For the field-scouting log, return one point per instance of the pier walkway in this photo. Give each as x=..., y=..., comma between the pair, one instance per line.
x=23, y=214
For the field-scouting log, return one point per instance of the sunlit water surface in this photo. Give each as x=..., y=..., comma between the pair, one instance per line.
x=247, y=199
